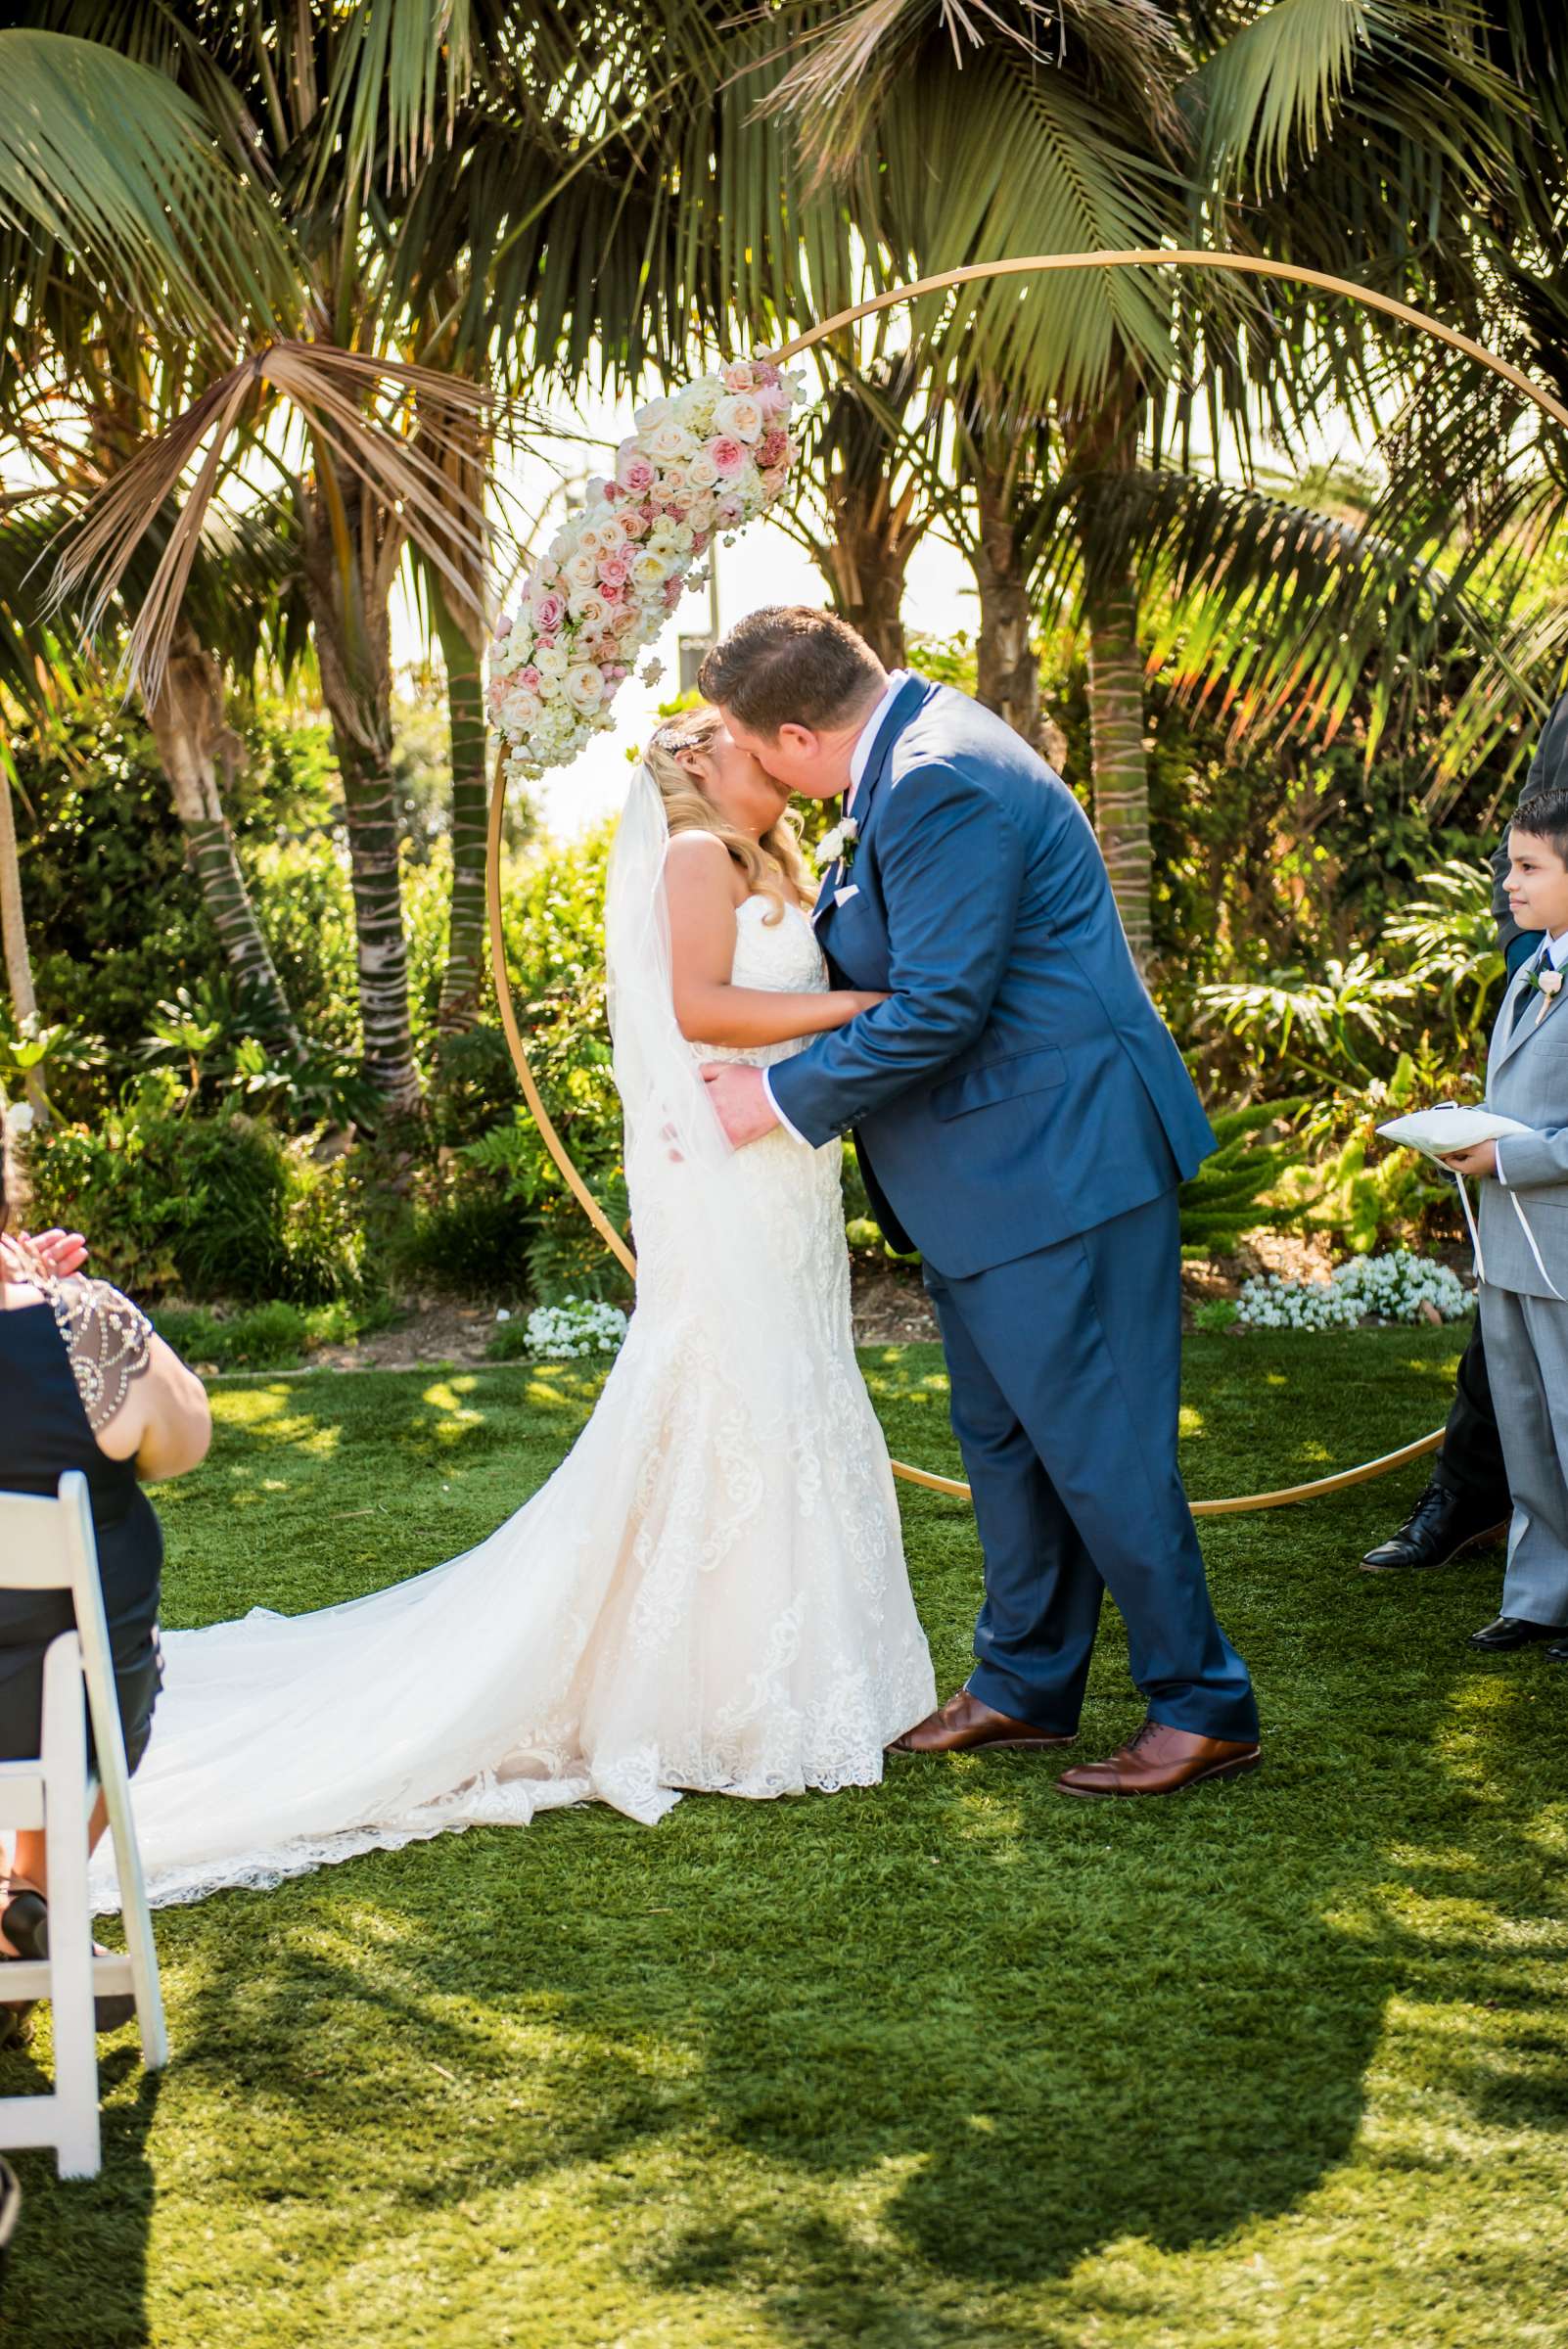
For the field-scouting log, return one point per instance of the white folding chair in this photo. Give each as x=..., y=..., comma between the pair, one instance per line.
x=49, y=1545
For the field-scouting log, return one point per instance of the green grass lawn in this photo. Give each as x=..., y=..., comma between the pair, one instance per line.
x=953, y=2062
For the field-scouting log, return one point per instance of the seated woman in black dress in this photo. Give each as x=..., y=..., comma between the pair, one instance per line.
x=85, y=1383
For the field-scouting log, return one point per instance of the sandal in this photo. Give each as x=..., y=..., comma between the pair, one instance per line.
x=25, y=1922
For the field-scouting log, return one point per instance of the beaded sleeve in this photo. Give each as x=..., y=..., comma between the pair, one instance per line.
x=107, y=1338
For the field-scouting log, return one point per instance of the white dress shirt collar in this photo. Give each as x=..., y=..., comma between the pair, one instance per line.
x=860, y=756
x=1557, y=949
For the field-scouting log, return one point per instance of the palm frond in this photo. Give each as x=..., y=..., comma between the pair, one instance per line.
x=407, y=455
x=106, y=159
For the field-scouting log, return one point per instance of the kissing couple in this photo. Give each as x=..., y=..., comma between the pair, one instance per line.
x=709, y=1594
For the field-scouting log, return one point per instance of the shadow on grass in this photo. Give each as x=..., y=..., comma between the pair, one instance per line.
x=937, y=2041
x=868, y=2066
x=82, y=2246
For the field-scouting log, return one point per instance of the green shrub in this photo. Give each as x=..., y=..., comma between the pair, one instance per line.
x=213, y=1206
x=1231, y=1193
x=471, y=1242
x=266, y=1337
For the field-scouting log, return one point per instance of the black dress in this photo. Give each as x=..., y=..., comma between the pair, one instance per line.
x=65, y=1368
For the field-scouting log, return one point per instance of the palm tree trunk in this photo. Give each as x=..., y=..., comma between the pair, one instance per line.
x=1106, y=449
x=194, y=743
x=1116, y=736
x=463, y=979
x=1008, y=678
x=350, y=562
x=864, y=573
x=14, y=934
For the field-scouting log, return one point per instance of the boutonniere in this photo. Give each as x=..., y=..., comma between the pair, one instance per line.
x=1547, y=985
x=837, y=845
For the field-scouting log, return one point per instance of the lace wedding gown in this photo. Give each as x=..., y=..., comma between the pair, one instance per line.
x=710, y=1592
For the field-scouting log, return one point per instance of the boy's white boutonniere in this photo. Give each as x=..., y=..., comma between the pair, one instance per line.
x=1548, y=983
x=837, y=845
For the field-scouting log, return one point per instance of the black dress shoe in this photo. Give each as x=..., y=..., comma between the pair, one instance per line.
x=1441, y=1525
x=1558, y=1653
x=1511, y=1631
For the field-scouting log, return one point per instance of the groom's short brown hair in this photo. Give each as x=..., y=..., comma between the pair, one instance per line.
x=790, y=666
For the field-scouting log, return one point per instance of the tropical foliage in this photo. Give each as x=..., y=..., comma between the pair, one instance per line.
x=278, y=291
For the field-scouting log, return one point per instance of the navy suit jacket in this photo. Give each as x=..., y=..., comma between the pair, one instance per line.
x=1019, y=1086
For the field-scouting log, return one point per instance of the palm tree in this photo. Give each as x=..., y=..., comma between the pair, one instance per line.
x=337, y=430
x=962, y=135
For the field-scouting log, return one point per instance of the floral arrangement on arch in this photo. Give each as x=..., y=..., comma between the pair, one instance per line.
x=707, y=460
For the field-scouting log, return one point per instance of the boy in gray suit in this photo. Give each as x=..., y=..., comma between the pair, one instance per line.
x=1524, y=1236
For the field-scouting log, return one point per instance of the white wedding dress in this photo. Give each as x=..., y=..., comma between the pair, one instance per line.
x=708, y=1593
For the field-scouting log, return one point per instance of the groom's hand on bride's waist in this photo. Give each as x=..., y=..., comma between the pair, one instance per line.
x=740, y=1100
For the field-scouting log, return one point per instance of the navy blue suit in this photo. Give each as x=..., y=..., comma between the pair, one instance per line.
x=1023, y=1118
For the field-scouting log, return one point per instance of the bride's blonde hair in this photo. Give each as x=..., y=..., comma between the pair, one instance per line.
x=772, y=866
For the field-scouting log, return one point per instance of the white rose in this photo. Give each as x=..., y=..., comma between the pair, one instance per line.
x=551, y=662
x=585, y=687
x=582, y=570
x=701, y=471
x=562, y=544
x=612, y=535
x=670, y=442
x=521, y=709
x=652, y=414
x=589, y=609
x=649, y=569
x=739, y=417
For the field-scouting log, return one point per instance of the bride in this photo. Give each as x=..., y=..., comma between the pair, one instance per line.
x=710, y=1592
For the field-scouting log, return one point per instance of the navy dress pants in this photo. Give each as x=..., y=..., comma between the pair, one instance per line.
x=1066, y=1370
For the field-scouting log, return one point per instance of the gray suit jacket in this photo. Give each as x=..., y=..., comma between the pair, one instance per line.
x=1527, y=1077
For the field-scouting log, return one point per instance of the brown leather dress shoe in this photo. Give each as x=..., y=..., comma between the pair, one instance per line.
x=1160, y=1761
x=963, y=1725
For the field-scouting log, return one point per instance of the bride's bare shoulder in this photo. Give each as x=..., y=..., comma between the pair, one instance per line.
x=699, y=868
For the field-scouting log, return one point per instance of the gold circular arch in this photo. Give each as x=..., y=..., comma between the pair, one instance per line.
x=1034, y=265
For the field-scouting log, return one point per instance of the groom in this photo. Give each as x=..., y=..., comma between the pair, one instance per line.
x=1023, y=1117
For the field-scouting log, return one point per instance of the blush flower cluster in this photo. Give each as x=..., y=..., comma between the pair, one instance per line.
x=707, y=460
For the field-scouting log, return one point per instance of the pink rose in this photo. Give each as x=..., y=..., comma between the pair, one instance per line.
x=613, y=591
x=727, y=454
x=634, y=524
x=741, y=378
x=503, y=628
x=636, y=474
x=530, y=677
x=613, y=571
x=549, y=611
x=774, y=400
x=613, y=491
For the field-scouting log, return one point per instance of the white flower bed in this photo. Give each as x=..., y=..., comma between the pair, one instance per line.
x=577, y=1326
x=1397, y=1287
x=707, y=460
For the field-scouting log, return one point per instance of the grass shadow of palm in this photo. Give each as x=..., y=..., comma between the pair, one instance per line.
x=83, y=2245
